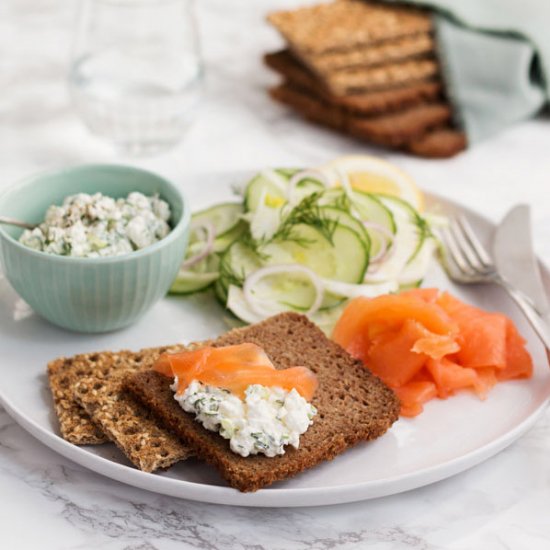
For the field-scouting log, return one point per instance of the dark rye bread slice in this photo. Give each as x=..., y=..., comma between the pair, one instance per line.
x=353, y=404
x=365, y=103
x=441, y=143
x=395, y=129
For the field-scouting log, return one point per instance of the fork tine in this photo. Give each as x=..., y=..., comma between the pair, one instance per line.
x=463, y=244
x=455, y=252
x=477, y=247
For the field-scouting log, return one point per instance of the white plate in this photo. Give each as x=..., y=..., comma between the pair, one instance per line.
x=449, y=437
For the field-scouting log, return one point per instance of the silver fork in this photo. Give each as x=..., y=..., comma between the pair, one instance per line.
x=467, y=262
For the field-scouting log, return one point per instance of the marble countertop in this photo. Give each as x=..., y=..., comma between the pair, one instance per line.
x=47, y=502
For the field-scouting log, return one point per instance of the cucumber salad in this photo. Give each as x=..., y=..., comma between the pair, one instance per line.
x=306, y=241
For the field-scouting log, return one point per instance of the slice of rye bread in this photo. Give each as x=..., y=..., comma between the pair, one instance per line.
x=348, y=24
x=368, y=103
x=366, y=56
x=121, y=417
x=441, y=143
x=353, y=405
x=395, y=129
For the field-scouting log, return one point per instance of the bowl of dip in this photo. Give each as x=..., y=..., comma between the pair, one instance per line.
x=109, y=243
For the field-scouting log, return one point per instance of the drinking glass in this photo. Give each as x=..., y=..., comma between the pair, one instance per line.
x=136, y=72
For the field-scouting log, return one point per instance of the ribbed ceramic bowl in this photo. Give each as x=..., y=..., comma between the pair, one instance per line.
x=91, y=294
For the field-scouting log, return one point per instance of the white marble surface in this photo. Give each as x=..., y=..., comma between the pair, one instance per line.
x=47, y=502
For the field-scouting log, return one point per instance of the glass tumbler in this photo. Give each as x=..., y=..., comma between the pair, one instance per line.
x=136, y=73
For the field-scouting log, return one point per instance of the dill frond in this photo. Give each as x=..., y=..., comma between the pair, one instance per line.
x=306, y=212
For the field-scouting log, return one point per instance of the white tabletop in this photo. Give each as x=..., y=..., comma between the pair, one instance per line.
x=47, y=502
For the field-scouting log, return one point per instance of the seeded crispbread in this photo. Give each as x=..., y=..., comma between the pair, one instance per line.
x=366, y=56
x=130, y=425
x=396, y=129
x=353, y=404
x=348, y=24
x=75, y=424
x=381, y=77
x=93, y=383
x=366, y=103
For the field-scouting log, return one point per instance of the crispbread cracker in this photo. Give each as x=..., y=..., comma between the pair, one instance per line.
x=353, y=404
x=395, y=129
x=348, y=24
x=365, y=56
x=382, y=77
x=74, y=423
x=131, y=426
x=366, y=103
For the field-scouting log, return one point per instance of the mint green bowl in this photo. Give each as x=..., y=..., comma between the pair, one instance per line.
x=91, y=294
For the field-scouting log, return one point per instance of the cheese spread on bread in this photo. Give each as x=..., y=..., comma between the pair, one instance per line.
x=263, y=422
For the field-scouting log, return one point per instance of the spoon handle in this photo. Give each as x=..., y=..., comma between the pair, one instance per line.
x=11, y=221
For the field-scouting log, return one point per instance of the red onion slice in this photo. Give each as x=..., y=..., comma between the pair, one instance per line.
x=210, y=235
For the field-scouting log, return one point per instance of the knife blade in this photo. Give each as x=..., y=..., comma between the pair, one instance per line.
x=515, y=258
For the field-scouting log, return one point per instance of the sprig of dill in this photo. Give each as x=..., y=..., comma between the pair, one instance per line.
x=307, y=212
x=228, y=275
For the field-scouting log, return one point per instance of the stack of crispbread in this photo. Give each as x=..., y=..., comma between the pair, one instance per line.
x=369, y=70
x=117, y=397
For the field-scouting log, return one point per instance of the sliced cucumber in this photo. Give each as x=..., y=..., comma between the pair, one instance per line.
x=366, y=208
x=371, y=209
x=288, y=172
x=220, y=291
x=344, y=259
x=188, y=282
x=345, y=219
x=224, y=217
x=291, y=291
x=236, y=263
x=197, y=277
x=307, y=187
x=223, y=242
x=269, y=186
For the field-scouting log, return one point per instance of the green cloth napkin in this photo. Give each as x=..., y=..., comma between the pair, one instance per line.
x=496, y=60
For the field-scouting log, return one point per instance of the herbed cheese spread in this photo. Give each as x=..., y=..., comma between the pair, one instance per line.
x=92, y=226
x=264, y=422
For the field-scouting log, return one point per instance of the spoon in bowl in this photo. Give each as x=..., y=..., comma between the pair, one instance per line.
x=18, y=223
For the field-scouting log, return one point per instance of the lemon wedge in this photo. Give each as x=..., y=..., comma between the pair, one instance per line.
x=374, y=175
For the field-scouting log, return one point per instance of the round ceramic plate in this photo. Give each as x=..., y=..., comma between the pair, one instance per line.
x=449, y=437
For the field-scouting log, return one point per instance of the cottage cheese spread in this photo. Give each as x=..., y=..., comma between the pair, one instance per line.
x=91, y=226
x=264, y=422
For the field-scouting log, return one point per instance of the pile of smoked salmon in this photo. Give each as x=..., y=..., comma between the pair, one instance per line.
x=425, y=343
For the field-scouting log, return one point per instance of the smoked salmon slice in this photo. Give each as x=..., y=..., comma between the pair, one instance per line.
x=425, y=343
x=234, y=368
x=413, y=396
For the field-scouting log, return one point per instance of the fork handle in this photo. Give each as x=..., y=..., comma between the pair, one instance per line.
x=539, y=322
